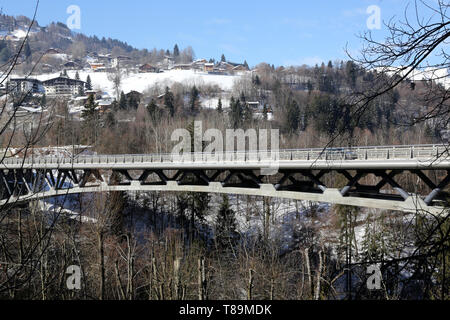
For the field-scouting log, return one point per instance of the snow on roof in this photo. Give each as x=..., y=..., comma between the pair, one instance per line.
x=32, y=110
x=81, y=98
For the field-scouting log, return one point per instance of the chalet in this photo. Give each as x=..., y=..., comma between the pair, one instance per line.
x=209, y=67
x=26, y=85
x=62, y=86
x=148, y=68
x=91, y=92
x=53, y=51
x=120, y=61
x=71, y=65
x=231, y=66
x=225, y=66
x=240, y=67
x=105, y=58
x=169, y=61
x=199, y=64
x=134, y=96
x=47, y=68
x=97, y=66
x=104, y=104
x=182, y=67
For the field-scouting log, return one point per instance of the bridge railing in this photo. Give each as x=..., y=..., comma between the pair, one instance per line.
x=427, y=152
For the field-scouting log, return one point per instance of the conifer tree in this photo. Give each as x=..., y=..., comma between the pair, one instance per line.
x=27, y=51
x=235, y=113
x=225, y=225
x=123, y=103
x=219, y=106
x=169, y=102
x=90, y=119
x=293, y=116
x=153, y=110
x=88, y=83
x=193, y=102
x=176, y=51
x=265, y=112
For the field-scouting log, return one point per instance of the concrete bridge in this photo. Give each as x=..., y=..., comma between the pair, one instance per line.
x=372, y=177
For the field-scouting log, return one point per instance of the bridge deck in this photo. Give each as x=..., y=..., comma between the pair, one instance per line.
x=296, y=174
x=393, y=157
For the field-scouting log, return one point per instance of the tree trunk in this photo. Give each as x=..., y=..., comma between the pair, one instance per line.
x=250, y=284
x=176, y=275
x=101, y=250
x=319, y=275
x=201, y=279
x=308, y=270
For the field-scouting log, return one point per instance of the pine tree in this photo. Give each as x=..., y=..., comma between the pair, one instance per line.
x=219, y=106
x=293, y=116
x=27, y=51
x=132, y=102
x=123, y=103
x=194, y=99
x=223, y=59
x=225, y=225
x=110, y=121
x=347, y=240
x=88, y=83
x=153, y=111
x=257, y=81
x=246, y=64
x=169, y=102
x=265, y=112
x=236, y=113
x=197, y=202
x=89, y=109
x=90, y=118
x=176, y=51
x=77, y=76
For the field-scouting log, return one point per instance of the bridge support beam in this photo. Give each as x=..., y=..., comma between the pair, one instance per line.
x=28, y=184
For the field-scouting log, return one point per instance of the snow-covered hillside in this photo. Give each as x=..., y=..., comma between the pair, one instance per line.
x=18, y=34
x=142, y=81
x=441, y=76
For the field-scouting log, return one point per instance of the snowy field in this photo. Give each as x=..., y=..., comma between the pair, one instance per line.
x=143, y=81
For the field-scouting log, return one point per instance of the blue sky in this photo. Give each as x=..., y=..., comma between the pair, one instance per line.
x=279, y=32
